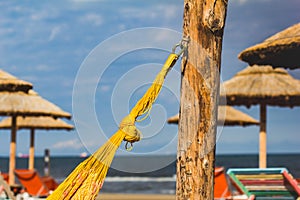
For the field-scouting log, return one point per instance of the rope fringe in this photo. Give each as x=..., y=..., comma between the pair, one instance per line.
x=86, y=180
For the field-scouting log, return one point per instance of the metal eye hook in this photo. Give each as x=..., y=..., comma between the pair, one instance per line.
x=128, y=148
x=182, y=45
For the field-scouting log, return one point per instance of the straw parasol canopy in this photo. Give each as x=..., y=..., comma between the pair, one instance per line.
x=279, y=50
x=28, y=104
x=262, y=85
x=32, y=123
x=10, y=83
x=44, y=123
x=18, y=103
x=233, y=117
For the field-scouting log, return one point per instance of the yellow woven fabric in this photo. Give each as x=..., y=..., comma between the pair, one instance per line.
x=86, y=180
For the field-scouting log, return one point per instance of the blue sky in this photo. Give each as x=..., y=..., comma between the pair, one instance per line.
x=51, y=43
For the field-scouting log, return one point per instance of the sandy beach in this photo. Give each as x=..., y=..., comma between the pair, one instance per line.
x=106, y=196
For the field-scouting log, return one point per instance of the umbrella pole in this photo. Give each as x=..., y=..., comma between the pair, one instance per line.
x=31, y=150
x=263, y=137
x=12, y=155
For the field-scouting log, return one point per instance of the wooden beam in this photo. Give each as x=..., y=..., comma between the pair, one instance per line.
x=288, y=177
x=263, y=137
x=203, y=24
x=12, y=154
x=31, y=150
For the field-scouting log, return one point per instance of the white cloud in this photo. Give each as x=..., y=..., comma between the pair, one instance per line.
x=240, y=1
x=73, y=144
x=6, y=31
x=92, y=18
x=54, y=32
x=244, y=1
x=85, y=1
x=18, y=70
x=105, y=88
x=42, y=68
x=135, y=12
x=156, y=12
x=19, y=9
x=172, y=12
x=39, y=15
x=122, y=27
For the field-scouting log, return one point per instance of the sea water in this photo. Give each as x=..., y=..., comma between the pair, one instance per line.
x=122, y=177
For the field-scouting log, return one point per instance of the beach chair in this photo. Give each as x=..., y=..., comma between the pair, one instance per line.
x=32, y=182
x=5, y=176
x=269, y=183
x=221, y=189
x=50, y=182
x=4, y=187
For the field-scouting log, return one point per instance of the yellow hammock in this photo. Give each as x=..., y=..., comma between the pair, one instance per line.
x=87, y=178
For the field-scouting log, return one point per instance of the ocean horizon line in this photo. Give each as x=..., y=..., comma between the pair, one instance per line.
x=153, y=155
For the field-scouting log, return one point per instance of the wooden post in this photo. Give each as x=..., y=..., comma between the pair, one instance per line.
x=12, y=154
x=263, y=137
x=47, y=162
x=31, y=150
x=203, y=24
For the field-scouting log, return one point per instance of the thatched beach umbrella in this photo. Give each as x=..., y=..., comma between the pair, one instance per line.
x=11, y=83
x=279, y=50
x=32, y=123
x=262, y=85
x=24, y=104
x=233, y=117
x=28, y=104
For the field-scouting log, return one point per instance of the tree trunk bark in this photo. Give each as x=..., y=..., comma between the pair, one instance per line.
x=203, y=24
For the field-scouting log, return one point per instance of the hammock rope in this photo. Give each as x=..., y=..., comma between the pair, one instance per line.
x=86, y=180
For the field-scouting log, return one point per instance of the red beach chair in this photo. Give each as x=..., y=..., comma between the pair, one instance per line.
x=221, y=189
x=33, y=183
x=50, y=182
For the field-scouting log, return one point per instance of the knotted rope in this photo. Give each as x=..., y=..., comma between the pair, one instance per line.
x=87, y=178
